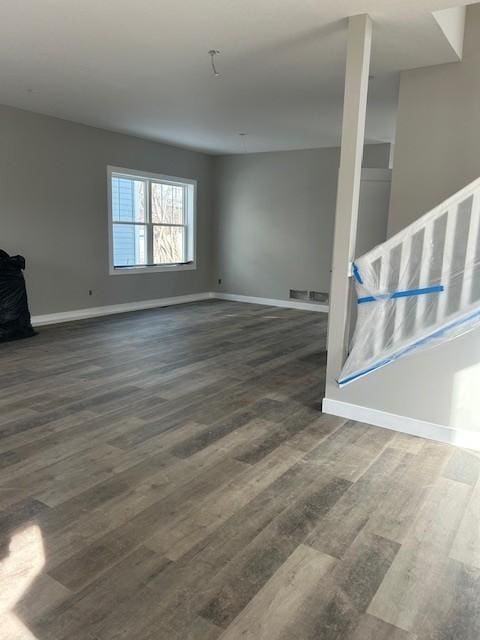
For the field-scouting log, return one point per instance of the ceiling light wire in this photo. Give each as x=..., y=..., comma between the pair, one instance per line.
x=243, y=138
x=213, y=53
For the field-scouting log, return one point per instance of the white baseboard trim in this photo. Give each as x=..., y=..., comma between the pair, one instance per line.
x=95, y=312
x=273, y=302
x=403, y=424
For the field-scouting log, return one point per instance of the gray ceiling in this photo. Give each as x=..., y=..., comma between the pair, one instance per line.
x=143, y=68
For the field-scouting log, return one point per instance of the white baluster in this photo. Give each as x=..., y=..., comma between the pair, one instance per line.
x=425, y=266
x=448, y=248
x=473, y=229
x=399, y=304
x=376, y=316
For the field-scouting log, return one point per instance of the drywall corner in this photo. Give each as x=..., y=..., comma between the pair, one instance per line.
x=452, y=23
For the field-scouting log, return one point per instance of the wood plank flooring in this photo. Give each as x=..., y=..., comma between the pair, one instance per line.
x=168, y=474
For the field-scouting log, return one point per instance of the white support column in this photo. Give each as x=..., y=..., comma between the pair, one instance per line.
x=348, y=190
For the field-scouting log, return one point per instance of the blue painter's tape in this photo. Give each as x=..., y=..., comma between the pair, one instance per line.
x=356, y=273
x=418, y=292
x=403, y=294
x=415, y=345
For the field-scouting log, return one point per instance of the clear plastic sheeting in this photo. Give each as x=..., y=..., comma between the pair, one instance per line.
x=418, y=289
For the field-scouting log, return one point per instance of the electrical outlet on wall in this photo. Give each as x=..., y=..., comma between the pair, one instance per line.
x=219, y=281
x=90, y=292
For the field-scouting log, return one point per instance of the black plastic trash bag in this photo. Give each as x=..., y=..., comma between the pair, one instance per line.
x=14, y=314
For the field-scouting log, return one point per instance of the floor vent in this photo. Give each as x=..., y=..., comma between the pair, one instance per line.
x=318, y=296
x=298, y=294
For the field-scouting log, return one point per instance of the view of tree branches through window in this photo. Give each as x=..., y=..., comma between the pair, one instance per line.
x=167, y=211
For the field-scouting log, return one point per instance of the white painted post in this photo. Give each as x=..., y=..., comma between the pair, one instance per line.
x=348, y=190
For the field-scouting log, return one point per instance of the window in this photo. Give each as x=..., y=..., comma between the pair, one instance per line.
x=152, y=222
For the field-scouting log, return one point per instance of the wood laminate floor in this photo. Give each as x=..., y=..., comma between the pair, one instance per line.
x=168, y=475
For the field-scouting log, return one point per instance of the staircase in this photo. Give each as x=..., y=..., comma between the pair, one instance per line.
x=419, y=288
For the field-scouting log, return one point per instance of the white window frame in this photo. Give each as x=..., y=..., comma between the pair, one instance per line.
x=190, y=212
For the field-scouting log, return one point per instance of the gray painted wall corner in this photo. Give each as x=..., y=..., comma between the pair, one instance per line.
x=53, y=210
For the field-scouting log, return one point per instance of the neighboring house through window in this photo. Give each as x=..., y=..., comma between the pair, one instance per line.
x=151, y=222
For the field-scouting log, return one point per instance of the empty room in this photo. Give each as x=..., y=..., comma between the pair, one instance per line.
x=239, y=320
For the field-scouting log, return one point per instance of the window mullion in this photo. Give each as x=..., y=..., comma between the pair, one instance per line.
x=149, y=223
x=185, y=222
x=169, y=224
x=129, y=224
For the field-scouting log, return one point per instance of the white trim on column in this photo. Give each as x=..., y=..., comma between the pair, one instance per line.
x=273, y=302
x=359, y=42
x=403, y=424
x=95, y=312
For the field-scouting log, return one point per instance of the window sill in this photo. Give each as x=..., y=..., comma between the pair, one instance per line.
x=165, y=268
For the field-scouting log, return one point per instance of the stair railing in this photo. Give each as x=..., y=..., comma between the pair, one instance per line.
x=420, y=286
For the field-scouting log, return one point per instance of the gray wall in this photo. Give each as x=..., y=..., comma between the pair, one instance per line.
x=53, y=210
x=274, y=219
x=377, y=156
x=373, y=209
x=272, y=229
x=437, y=152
